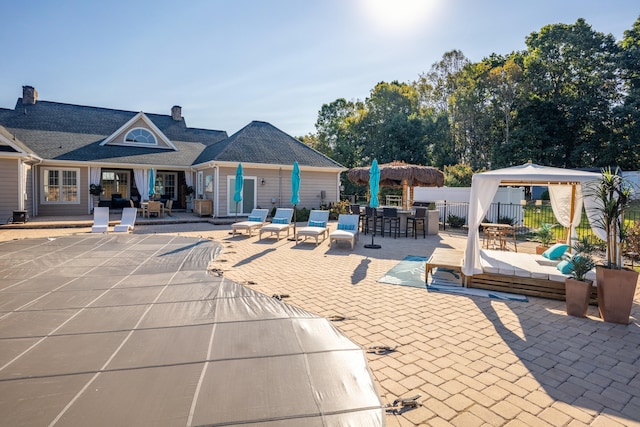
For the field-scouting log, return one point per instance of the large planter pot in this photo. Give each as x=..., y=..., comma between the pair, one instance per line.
x=540, y=249
x=577, y=297
x=616, y=289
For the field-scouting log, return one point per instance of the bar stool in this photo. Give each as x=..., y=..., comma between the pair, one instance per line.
x=357, y=210
x=369, y=218
x=390, y=216
x=419, y=217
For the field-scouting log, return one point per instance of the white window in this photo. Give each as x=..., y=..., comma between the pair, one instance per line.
x=140, y=136
x=60, y=186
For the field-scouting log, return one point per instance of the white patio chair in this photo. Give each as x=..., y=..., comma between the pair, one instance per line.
x=316, y=227
x=255, y=221
x=281, y=222
x=127, y=222
x=100, y=220
x=347, y=230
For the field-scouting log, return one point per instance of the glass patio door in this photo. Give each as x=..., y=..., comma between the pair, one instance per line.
x=249, y=196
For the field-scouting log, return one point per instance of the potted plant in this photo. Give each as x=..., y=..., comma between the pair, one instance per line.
x=578, y=288
x=545, y=236
x=95, y=190
x=611, y=197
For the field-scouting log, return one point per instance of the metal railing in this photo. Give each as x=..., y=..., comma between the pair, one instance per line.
x=526, y=218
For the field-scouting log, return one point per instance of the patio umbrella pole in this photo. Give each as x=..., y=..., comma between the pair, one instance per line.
x=295, y=195
x=293, y=239
x=373, y=235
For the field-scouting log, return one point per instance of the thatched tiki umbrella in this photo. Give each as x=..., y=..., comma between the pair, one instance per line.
x=400, y=175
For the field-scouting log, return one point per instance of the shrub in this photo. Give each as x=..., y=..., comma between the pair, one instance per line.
x=506, y=220
x=455, y=221
x=302, y=215
x=632, y=241
x=338, y=208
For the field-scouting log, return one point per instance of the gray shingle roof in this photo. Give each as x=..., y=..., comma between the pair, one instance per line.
x=57, y=131
x=72, y=132
x=261, y=142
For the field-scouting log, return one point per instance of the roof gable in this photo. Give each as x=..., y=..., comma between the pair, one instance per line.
x=139, y=121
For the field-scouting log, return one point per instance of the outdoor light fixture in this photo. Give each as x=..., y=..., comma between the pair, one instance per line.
x=262, y=182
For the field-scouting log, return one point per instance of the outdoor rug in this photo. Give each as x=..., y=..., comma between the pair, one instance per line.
x=411, y=272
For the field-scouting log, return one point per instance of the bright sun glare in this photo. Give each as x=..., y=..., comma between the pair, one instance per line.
x=398, y=16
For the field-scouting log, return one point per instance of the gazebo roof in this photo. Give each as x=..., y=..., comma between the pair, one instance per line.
x=393, y=174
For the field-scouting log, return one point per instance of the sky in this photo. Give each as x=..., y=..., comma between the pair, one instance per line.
x=229, y=62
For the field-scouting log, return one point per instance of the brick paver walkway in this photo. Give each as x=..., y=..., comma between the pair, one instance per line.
x=475, y=361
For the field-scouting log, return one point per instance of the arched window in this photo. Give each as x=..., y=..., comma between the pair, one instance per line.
x=140, y=136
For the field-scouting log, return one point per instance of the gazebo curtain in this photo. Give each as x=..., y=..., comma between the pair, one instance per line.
x=482, y=194
x=140, y=176
x=95, y=175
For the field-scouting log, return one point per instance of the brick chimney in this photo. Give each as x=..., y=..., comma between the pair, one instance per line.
x=176, y=113
x=29, y=95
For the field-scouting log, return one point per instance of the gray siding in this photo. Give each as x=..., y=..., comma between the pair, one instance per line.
x=278, y=186
x=9, y=188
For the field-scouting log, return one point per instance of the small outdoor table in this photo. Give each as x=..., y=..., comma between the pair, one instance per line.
x=445, y=258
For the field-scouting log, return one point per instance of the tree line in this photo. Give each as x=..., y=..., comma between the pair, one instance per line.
x=571, y=99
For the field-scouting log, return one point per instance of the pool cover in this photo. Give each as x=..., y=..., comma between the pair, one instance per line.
x=106, y=330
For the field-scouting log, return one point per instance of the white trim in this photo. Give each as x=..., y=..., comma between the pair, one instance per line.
x=125, y=127
x=270, y=166
x=20, y=152
x=231, y=191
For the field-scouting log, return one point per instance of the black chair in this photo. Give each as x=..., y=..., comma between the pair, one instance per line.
x=357, y=210
x=419, y=217
x=390, y=216
x=368, y=219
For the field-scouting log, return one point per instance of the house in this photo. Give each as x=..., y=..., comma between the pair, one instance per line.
x=50, y=154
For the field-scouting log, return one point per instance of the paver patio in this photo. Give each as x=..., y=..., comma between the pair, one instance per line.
x=475, y=361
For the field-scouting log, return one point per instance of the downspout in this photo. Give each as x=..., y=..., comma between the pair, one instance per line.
x=21, y=191
x=280, y=187
x=216, y=191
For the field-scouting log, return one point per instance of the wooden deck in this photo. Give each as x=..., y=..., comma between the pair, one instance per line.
x=543, y=288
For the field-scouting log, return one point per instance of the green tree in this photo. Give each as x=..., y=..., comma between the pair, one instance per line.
x=572, y=70
x=336, y=136
x=458, y=175
x=627, y=155
x=392, y=126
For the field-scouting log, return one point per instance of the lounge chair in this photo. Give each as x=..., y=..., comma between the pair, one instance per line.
x=127, y=222
x=316, y=227
x=347, y=230
x=281, y=222
x=100, y=220
x=256, y=220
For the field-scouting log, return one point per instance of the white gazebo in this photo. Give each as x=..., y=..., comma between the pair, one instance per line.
x=565, y=192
